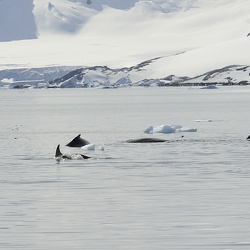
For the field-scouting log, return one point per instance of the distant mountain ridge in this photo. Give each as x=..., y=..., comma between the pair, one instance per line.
x=105, y=77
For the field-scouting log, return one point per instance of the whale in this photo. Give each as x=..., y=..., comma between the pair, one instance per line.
x=248, y=138
x=78, y=142
x=60, y=156
x=146, y=140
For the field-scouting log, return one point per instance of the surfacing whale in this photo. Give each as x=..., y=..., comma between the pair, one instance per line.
x=248, y=138
x=78, y=142
x=59, y=155
x=146, y=140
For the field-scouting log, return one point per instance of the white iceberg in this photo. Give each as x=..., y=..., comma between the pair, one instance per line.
x=166, y=129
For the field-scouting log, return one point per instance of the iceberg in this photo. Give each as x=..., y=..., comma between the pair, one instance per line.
x=168, y=129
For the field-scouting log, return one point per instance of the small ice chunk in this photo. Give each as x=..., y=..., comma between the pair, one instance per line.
x=149, y=129
x=186, y=130
x=204, y=120
x=88, y=147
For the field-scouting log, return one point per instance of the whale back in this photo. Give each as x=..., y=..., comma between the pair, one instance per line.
x=146, y=140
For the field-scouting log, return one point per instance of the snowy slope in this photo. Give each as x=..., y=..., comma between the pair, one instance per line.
x=29, y=19
x=60, y=17
x=191, y=37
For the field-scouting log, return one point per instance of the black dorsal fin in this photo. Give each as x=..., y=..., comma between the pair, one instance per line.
x=58, y=152
x=78, y=142
x=85, y=156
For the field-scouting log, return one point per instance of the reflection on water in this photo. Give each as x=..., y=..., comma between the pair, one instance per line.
x=189, y=193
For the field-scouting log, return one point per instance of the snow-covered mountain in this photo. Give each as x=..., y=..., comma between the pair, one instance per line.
x=184, y=38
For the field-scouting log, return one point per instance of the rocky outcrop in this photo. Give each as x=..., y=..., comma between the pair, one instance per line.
x=105, y=77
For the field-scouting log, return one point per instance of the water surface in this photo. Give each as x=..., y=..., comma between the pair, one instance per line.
x=189, y=193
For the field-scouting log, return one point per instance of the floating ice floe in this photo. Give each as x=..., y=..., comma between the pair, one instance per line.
x=208, y=120
x=186, y=130
x=168, y=129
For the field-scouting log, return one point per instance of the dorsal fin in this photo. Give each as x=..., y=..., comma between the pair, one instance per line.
x=78, y=142
x=85, y=156
x=58, y=152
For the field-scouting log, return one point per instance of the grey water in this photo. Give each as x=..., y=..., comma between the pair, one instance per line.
x=191, y=192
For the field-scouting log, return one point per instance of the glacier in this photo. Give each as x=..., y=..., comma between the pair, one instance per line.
x=181, y=41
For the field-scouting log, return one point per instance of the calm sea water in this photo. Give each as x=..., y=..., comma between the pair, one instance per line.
x=190, y=193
